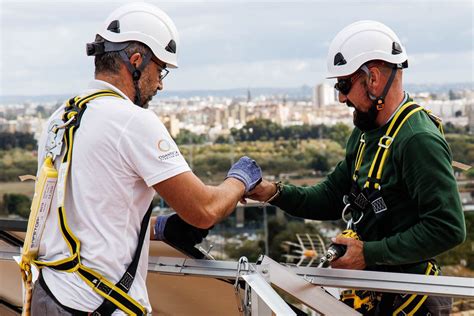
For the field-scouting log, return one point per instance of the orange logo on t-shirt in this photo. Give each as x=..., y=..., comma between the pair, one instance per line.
x=164, y=145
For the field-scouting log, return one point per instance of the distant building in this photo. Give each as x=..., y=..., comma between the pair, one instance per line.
x=11, y=126
x=242, y=114
x=470, y=116
x=323, y=95
x=282, y=114
x=172, y=125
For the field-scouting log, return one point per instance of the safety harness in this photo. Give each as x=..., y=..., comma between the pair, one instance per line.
x=369, y=199
x=359, y=202
x=115, y=295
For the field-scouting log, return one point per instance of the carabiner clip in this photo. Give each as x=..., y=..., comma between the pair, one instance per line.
x=351, y=220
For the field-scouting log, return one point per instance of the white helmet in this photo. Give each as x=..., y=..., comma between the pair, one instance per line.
x=145, y=23
x=361, y=42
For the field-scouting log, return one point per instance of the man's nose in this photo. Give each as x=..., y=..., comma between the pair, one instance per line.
x=160, y=84
x=342, y=97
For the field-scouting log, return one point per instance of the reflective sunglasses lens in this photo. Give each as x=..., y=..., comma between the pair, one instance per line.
x=343, y=86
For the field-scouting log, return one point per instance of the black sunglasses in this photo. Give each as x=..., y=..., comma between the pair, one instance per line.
x=344, y=85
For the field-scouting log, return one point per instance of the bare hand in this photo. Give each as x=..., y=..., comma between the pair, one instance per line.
x=263, y=191
x=354, y=256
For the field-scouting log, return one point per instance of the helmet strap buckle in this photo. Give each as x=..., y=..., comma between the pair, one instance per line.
x=379, y=104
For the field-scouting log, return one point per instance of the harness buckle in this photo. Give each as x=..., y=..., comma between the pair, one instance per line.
x=127, y=281
x=385, y=141
x=101, y=286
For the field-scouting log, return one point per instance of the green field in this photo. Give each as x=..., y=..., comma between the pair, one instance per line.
x=27, y=188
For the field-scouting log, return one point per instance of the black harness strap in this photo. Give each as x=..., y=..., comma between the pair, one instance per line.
x=125, y=283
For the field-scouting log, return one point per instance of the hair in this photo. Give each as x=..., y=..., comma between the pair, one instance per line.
x=110, y=62
x=383, y=66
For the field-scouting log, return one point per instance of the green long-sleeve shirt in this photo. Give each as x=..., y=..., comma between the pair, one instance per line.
x=424, y=216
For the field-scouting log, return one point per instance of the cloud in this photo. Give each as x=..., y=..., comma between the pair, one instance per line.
x=228, y=43
x=264, y=73
x=441, y=67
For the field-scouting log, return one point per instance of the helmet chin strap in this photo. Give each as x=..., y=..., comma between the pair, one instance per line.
x=379, y=102
x=136, y=73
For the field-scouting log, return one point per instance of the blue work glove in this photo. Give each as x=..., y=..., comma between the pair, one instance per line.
x=247, y=171
x=179, y=234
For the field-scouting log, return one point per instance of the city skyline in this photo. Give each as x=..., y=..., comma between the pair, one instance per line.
x=229, y=44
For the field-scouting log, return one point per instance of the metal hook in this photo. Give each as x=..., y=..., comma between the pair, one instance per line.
x=243, y=262
x=350, y=219
x=344, y=213
x=245, y=302
x=65, y=124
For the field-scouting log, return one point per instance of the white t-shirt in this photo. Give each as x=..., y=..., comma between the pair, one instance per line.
x=120, y=151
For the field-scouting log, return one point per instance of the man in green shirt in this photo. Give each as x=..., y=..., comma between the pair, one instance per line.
x=396, y=183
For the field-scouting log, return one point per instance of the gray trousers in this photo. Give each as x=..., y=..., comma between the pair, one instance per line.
x=42, y=304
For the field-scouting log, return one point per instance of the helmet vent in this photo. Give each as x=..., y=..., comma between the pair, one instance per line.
x=114, y=26
x=339, y=60
x=171, y=47
x=396, y=48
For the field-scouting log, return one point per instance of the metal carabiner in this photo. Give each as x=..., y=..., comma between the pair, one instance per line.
x=66, y=124
x=243, y=304
x=350, y=221
x=344, y=213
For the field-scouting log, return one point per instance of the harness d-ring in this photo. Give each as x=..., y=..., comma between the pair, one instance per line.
x=360, y=218
x=347, y=220
x=344, y=213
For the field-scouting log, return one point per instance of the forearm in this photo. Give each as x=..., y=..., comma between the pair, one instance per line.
x=315, y=202
x=221, y=200
x=208, y=205
x=322, y=201
x=198, y=204
x=214, y=204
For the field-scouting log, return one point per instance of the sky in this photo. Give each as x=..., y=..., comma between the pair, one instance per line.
x=232, y=44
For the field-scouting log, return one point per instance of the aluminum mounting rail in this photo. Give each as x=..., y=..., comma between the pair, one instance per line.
x=274, y=273
x=388, y=281
x=370, y=280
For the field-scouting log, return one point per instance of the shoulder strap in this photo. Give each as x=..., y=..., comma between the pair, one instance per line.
x=402, y=115
x=436, y=120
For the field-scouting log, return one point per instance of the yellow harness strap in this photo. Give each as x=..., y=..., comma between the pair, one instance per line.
x=74, y=110
x=375, y=172
x=412, y=303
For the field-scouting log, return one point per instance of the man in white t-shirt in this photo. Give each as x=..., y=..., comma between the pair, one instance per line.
x=122, y=156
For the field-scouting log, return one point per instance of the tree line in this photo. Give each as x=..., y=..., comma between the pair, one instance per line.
x=17, y=140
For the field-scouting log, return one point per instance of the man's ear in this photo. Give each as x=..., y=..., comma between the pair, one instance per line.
x=374, y=80
x=136, y=60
